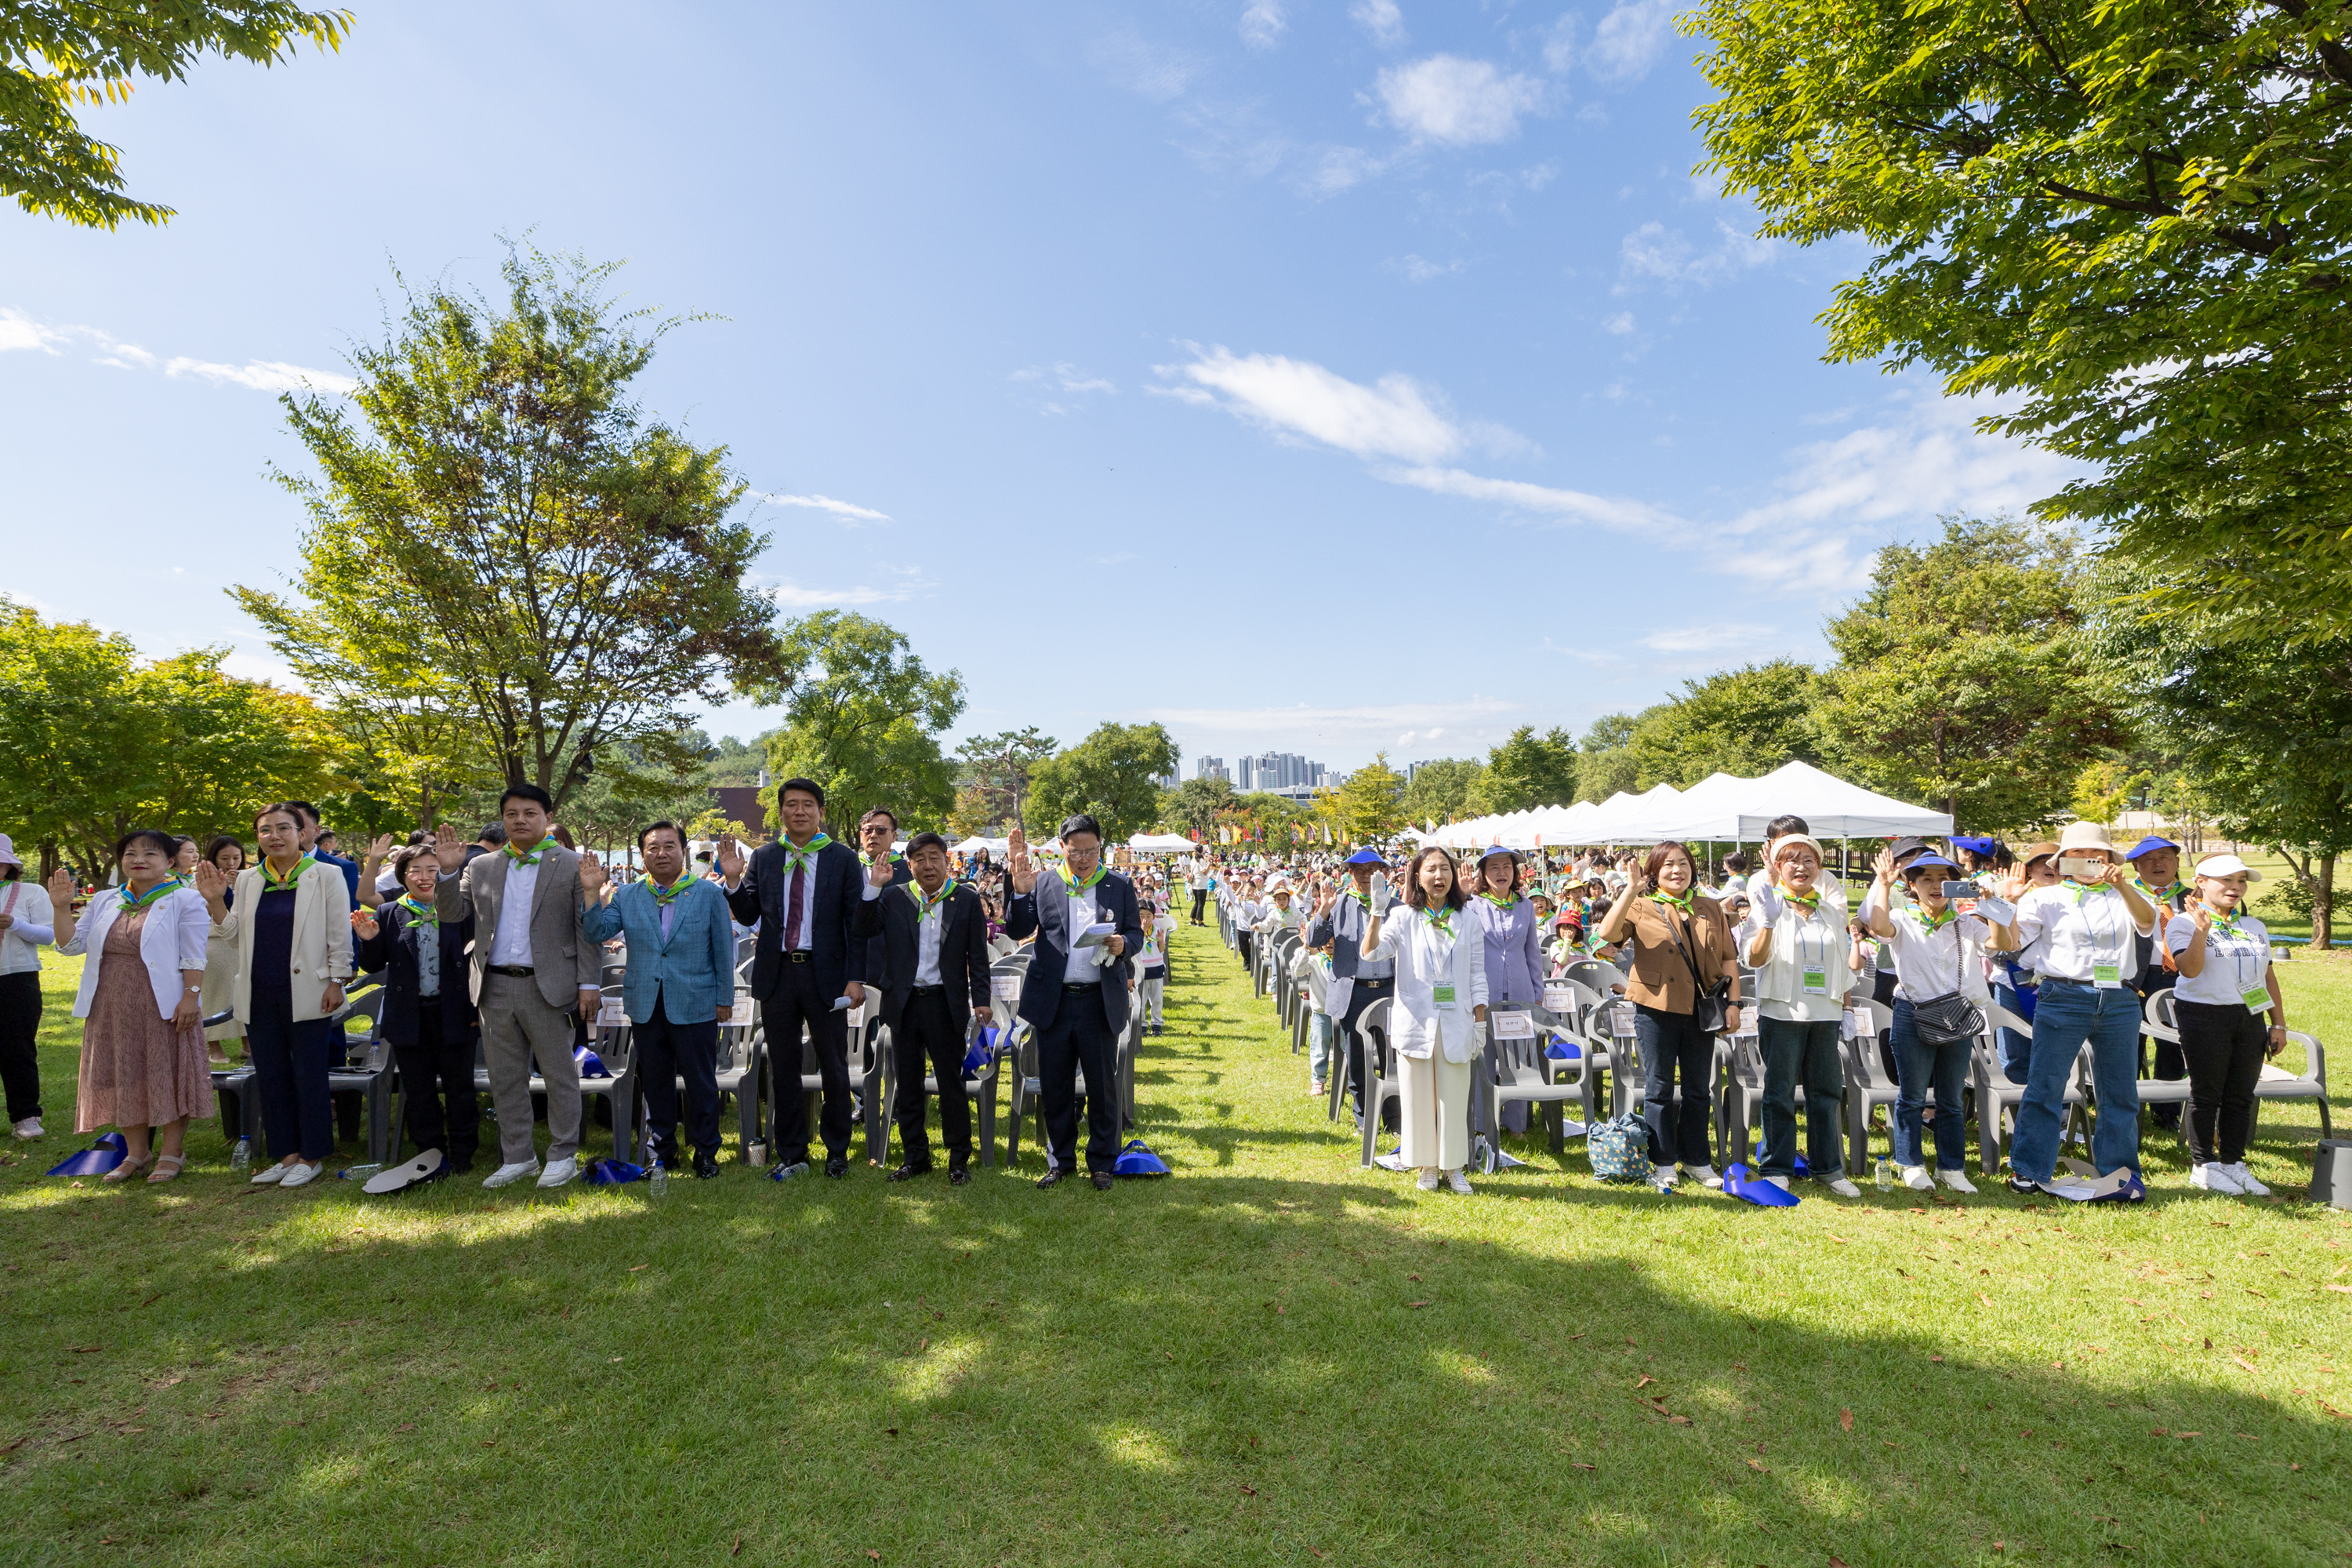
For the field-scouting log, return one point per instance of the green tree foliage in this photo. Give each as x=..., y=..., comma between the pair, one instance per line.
x=1744, y=721
x=627, y=790
x=1528, y=770
x=731, y=763
x=95, y=741
x=59, y=54
x=1194, y=805
x=1445, y=790
x=1963, y=679
x=2265, y=725
x=1110, y=776
x=1605, y=764
x=2133, y=217
x=996, y=770
x=502, y=536
x=865, y=721
x=1371, y=805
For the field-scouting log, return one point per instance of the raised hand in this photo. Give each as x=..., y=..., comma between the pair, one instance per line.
x=448, y=847
x=2202, y=916
x=592, y=875
x=379, y=848
x=1024, y=875
x=879, y=873
x=209, y=880
x=363, y=924
x=730, y=857
x=1884, y=864
x=61, y=888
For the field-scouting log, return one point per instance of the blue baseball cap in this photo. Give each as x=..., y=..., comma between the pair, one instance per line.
x=1364, y=858
x=1498, y=850
x=2146, y=845
x=1929, y=860
x=1976, y=846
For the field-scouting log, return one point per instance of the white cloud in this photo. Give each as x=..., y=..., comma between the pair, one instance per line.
x=1560, y=43
x=264, y=375
x=1151, y=71
x=795, y=596
x=1063, y=375
x=1567, y=505
x=1708, y=637
x=1618, y=324
x=1420, y=272
x=1629, y=39
x=849, y=513
x=1264, y=24
x=1381, y=19
x=1456, y=102
x=1392, y=418
x=1653, y=250
x=18, y=331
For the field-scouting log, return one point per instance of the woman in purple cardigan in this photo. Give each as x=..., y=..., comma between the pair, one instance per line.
x=1515, y=965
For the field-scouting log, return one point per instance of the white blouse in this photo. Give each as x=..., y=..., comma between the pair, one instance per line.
x=172, y=941
x=2085, y=933
x=2236, y=964
x=1807, y=973
x=1935, y=962
x=1439, y=979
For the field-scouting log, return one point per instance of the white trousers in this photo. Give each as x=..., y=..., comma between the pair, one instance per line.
x=1436, y=1114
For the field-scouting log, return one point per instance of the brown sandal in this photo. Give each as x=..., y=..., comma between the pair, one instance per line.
x=168, y=1168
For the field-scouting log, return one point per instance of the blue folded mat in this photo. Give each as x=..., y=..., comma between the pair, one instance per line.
x=1134, y=1160
x=613, y=1172
x=109, y=1151
x=1738, y=1182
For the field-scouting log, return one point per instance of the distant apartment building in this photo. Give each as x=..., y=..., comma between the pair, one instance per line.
x=1211, y=768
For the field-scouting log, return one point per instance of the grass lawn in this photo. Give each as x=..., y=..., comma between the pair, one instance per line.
x=1272, y=1357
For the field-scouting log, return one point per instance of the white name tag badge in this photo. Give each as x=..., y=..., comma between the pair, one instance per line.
x=2258, y=1000
x=2107, y=976
x=1559, y=997
x=1443, y=996
x=1817, y=981
x=1513, y=1025
x=1007, y=987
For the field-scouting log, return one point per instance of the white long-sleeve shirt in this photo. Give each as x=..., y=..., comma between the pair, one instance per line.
x=36, y=927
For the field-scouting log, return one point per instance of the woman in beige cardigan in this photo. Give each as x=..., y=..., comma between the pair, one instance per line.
x=291, y=922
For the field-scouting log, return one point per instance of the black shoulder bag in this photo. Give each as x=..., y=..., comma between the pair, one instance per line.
x=1710, y=1005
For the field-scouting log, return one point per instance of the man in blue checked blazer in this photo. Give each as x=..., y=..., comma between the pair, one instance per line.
x=680, y=985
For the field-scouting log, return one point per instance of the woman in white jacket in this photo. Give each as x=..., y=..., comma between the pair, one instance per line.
x=1441, y=1001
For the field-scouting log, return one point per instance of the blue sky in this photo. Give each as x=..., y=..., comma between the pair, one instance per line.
x=1319, y=375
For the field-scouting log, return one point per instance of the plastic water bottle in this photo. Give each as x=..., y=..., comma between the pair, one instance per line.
x=240, y=1158
x=358, y=1173
x=1885, y=1174
x=658, y=1180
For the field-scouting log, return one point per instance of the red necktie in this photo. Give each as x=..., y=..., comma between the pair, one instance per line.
x=793, y=906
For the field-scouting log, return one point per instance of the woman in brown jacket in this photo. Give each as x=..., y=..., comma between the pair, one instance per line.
x=1675, y=934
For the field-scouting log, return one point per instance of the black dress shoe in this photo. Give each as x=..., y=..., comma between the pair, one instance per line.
x=1052, y=1178
x=705, y=1165
x=1103, y=1181
x=958, y=1175
x=836, y=1165
x=909, y=1172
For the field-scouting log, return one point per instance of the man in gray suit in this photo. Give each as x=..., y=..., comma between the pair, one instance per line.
x=533, y=966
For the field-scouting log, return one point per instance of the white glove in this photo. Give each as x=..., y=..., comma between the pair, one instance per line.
x=1382, y=894
x=1765, y=902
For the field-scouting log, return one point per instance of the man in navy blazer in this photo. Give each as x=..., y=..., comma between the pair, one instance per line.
x=1075, y=997
x=803, y=892
x=679, y=986
x=934, y=976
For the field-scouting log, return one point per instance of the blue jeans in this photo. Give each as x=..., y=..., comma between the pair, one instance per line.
x=1918, y=1069
x=1802, y=1054
x=2068, y=1016
x=290, y=1063
x=2016, y=1045
x=1319, y=1046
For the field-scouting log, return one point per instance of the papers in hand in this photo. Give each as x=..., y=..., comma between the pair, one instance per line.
x=1098, y=933
x=841, y=1004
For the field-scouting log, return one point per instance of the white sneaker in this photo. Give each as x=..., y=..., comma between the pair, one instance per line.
x=1780, y=1182
x=269, y=1175
x=30, y=1128
x=561, y=1171
x=2246, y=1182
x=1844, y=1187
x=1706, y=1175
x=1458, y=1182
x=1916, y=1177
x=2215, y=1178
x=514, y=1172
x=299, y=1175
x=1663, y=1178
x=1428, y=1181
x=1957, y=1180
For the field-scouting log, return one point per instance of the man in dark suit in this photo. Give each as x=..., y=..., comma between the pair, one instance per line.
x=802, y=891
x=1076, y=997
x=934, y=976
x=878, y=831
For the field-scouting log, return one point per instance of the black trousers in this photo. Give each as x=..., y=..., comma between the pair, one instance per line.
x=1361, y=996
x=2223, y=1046
x=1241, y=940
x=1673, y=1045
x=1080, y=1036
x=437, y=1087
x=667, y=1052
x=20, y=1028
x=927, y=1038
x=794, y=1002
x=1200, y=904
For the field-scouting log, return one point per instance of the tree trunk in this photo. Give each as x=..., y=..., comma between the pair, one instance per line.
x=2323, y=904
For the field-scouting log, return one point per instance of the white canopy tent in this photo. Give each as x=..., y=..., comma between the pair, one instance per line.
x=975, y=844
x=1161, y=844
x=1720, y=808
